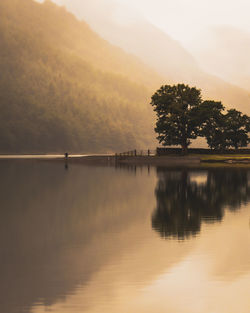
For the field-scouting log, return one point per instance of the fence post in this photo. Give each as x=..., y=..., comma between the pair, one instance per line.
x=148, y=152
x=135, y=152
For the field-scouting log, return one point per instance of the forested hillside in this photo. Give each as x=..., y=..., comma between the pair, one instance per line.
x=62, y=87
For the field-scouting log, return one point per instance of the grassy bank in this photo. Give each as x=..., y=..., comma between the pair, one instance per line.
x=237, y=158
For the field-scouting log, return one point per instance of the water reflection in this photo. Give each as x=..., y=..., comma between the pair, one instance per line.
x=186, y=199
x=58, y=228
x=82, y=241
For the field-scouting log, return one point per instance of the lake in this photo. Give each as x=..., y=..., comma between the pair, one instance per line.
x=123, y=240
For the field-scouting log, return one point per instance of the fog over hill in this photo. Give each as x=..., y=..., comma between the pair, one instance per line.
x=230, y=59
x=125, y=27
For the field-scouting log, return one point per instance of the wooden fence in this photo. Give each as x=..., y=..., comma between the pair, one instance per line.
x=133, y=153
x=177, y=151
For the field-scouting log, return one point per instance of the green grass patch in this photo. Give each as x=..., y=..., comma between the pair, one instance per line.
x=225, y=158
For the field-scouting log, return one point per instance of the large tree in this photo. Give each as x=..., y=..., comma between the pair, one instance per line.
x=237, y=127
x=177, y=120
x=223, y=130
x=213, y=124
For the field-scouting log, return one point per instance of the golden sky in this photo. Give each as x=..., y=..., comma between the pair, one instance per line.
x=216, y=33
x=184, y=20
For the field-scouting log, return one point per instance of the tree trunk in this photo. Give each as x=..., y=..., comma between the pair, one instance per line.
x=184, y=148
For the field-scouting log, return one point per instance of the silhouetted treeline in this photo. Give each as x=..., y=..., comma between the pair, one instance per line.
x=63, y=87
x=186, y=199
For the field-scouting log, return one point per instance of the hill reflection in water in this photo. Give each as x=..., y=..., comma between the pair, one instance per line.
x=186, y=199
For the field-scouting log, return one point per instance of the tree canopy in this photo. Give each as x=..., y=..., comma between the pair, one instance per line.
x=176, y=108
x=182, y=115
x=212, y=124
x=237, y=127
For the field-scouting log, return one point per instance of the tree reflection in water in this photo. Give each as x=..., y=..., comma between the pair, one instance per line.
x=183, y=202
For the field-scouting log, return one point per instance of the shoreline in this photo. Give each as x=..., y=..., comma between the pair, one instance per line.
x=163, y=160
x=111, y=160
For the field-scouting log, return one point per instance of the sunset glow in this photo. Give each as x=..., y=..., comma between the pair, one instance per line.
x=182, y=19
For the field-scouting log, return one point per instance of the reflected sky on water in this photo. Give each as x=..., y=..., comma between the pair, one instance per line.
x=105, y=239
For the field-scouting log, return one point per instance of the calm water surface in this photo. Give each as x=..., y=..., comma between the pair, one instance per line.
x=106, y=240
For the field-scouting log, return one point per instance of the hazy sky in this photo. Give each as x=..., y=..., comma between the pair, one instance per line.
x=184, y=20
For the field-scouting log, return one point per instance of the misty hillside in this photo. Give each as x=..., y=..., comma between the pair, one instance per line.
x=62, y=87
x=230, y=59
x=136, y=35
